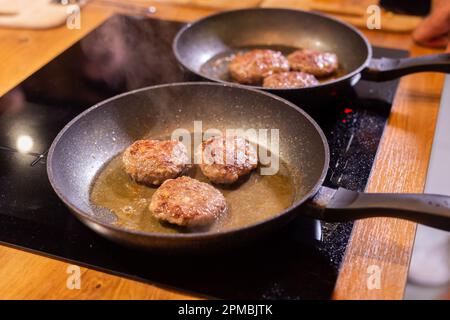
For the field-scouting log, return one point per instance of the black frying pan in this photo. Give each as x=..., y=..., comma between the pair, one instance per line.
x=200, y=47
x=89, y=142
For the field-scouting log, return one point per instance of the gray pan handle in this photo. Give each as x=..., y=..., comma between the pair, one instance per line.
x=344, y=205
x=385, y=69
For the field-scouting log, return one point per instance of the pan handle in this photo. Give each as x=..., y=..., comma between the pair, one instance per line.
x=385, y=69
x=344, y=205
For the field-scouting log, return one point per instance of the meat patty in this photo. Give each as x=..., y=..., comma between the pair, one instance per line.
x=291, y=79
x=315, y=62
x=153, y=161
x=187, y=202
x=253, y=66
x=224, y=160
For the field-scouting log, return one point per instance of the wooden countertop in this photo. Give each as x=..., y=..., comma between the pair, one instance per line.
x=401, y=166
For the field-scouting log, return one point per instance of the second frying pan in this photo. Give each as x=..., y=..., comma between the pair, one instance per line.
x=95, y=137
x=199, y=47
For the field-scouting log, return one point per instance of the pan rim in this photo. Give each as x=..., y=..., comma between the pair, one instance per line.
x=345, y=77
x=194, y=235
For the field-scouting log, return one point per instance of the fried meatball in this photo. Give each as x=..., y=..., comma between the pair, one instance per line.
x=187, y=202
x=253, y=66
x=291, y=79
x=317, y=63
x=224, y=160
x=153, y=161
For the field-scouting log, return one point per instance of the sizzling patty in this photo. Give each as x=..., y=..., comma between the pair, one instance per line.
x=314, y=62
x=291, y=79
x=153, y=161
x=224, y=160
x=253, y=66
x=187, y=202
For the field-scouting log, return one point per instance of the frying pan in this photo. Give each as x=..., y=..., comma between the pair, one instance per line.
x=198, y=45
x=96, y=136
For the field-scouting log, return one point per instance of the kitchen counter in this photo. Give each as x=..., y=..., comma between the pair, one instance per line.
x=401, y=166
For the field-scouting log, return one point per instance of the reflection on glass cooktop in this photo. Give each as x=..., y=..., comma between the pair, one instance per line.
x=125, y=53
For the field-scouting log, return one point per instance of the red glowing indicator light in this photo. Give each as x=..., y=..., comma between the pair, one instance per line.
x=348, y=110
x=344, y=121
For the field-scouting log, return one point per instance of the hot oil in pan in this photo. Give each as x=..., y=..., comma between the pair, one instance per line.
x=250, y=200
x=217, y=66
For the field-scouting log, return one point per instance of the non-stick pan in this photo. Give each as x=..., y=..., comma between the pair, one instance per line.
x=95, y=137
x=200, y=47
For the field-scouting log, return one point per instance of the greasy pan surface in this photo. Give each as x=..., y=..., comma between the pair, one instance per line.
x=200, y=42
x=96, y=136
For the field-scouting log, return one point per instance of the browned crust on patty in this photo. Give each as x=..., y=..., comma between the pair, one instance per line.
x=317, y=63
x=253, y=66
x=292, y=79
x=153, y=161
x=187, y=202
x=224, y=160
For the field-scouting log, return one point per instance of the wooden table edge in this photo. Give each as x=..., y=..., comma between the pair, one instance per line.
x=362, y=260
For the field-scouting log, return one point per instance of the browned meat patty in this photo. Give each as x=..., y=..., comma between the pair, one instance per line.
x=187, y=202
x=224, y=160
x=153, y=161
x=253, y=66
x=315, y=62
x=291, y=79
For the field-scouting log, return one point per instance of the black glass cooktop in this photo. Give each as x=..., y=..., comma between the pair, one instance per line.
x=300, y=262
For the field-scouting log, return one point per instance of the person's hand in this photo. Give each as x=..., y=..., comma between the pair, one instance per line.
x=434, y=31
